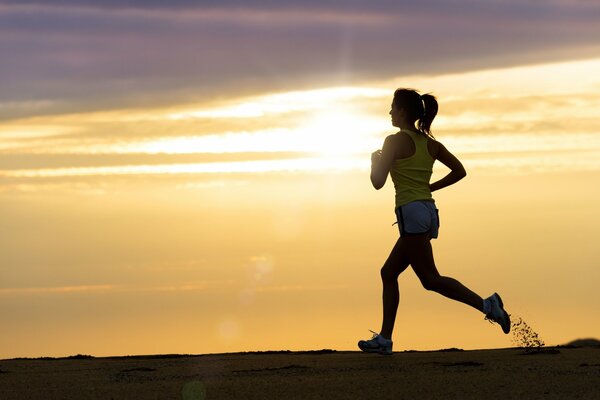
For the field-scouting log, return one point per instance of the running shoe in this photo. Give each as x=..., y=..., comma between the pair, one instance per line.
x=377, y=344
x=497, y=313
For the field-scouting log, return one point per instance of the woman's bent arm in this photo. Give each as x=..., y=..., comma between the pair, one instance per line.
x=457, y=171
x=381, y=162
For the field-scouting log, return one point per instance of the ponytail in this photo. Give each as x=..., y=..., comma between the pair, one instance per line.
x=418, y=108
x=430, y=109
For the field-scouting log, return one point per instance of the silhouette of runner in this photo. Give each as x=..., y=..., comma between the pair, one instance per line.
x=408, y=157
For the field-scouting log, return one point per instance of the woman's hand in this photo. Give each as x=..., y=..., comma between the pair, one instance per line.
x=375, y=156
x=379, y=170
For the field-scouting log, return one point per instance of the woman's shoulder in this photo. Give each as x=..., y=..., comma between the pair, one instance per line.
x=434, y=146
x=393, y=141
x=400, y=144
x=403, y=145
x=399, y=138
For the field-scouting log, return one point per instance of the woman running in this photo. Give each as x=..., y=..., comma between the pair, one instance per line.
x=408, y=156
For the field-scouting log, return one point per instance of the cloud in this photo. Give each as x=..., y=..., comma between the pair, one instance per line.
x=484, y=114
x=57, y=289
x=381, y=5
x=77, y=55
x=186, y=286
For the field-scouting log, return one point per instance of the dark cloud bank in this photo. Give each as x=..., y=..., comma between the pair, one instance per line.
x=78, y=55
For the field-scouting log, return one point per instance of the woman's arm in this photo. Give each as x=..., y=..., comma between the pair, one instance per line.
x=381, y=162
x=457, y=171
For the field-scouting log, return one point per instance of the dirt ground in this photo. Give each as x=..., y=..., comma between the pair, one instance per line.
x=556, y=373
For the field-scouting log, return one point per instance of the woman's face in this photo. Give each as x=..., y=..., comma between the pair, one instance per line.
x=397, y=115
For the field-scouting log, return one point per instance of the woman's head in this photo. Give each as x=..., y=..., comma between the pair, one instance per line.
x=413, y=107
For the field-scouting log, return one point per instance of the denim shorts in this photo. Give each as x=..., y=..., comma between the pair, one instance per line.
x=418, y=217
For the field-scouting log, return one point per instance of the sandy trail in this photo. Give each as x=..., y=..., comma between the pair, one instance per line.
x=560, y=373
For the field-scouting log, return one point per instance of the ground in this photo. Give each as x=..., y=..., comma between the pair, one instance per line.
x=555, y=373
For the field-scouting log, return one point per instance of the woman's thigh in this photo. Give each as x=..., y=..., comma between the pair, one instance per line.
x=398, y=259
x=420, y=255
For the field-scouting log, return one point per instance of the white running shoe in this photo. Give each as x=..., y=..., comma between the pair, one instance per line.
x=377, y=344
x=497, y=313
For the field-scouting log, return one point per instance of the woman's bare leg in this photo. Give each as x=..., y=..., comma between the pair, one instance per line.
x=396, y=263
x=421, y=259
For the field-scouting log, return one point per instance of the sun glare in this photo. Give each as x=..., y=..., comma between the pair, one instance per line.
x=334, y=132
x=341, y=132
x=334, y=127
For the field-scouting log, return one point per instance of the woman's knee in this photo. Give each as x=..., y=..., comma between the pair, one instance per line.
x=388, y=274
x=431, y=282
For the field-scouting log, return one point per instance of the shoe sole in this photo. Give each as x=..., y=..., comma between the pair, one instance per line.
x=374, y=351
x=506, y=315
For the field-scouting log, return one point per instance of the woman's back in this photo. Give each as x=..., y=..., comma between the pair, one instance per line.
x=412, y=167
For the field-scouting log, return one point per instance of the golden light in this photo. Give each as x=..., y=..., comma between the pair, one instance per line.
x=337, y=127
x=334, y=127
x=342, y=132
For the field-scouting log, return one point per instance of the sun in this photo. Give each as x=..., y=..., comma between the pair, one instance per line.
x=331, y=128
x=340, y=132
x=328, y=131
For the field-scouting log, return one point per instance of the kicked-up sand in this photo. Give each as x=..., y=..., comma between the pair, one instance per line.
x=553, y=373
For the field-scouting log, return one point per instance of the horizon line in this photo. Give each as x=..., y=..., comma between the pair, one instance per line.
x=596, y=343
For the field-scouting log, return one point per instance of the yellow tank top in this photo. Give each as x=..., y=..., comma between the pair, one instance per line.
x=411, y=175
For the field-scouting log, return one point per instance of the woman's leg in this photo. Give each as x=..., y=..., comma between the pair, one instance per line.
x=421, y=258
x=396, y=263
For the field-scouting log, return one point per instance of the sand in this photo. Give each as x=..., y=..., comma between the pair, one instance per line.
x=556, y=373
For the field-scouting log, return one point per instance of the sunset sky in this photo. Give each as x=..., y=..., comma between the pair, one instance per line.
x=193, y=176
